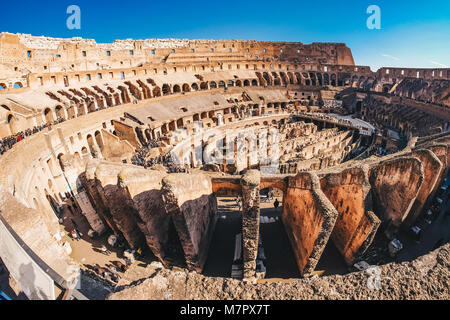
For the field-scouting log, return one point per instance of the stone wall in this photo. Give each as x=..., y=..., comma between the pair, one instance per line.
x=425, y=278
x=193, y=207
x=356, y=224
x=309, y=218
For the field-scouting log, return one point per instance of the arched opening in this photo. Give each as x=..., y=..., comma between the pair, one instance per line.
x=60, y=113
x=333, y=80
x=166, y=90
x=221, y=84
x=204, y=86
x=267, y=78
x=84, y=151
x=230, y=83
x=246, y=83
x=99, y=139
x=254, y=83
x=176, y=89
x=12, y=122
x=77, y=156
x=91, y=143
x=157, y=92
x=60, y=161
x=186, y=88
x=3, y=86
x=326, y=79
x=194, y=87
x=48, y=114
x=238, y=83
x=148, y=134
x=17, y=85
x=319, y=79
x=213, y=85
x=291, y=78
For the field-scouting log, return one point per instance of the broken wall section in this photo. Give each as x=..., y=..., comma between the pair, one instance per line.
x=190, y=201
x=309, y=219
x=356, y=225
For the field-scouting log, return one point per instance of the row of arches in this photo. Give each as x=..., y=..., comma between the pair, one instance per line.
x=15, y=85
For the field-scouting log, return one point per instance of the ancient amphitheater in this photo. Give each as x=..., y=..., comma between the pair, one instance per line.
x=175, y=146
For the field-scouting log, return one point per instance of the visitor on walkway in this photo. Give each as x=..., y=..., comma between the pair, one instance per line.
x=276, y=204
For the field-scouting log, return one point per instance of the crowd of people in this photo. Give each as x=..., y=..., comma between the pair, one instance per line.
x=7, y=143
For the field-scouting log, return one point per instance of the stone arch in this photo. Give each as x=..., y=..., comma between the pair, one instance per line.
x=291, y=77
x=91, y=144
x=213, y=85
x=176, y=89
x=326, y=79
x=18, y=85
x=148, y=134
x=99, y=139
x=157, y=92
x=61, y=164
x=333, y=80
x=319, y=79
x=12, y=123
x=166, y=89
x=60, y=113
x=48, y=114
x=186, y=88
x=84, y=151
x=268, y=78
x=77, y=156
x=194, y=87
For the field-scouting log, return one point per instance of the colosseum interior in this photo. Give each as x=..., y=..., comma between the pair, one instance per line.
x=165, y=159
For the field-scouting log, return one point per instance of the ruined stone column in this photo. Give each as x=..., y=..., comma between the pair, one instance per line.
x=250, y=222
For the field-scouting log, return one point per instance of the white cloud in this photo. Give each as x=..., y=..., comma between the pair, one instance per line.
x=439, y=64
x=389, y=56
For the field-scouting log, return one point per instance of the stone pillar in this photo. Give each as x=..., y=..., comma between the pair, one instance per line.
x=250, y=183
x=66, y=114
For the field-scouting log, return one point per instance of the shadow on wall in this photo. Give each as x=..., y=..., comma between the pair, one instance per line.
x=152, y=211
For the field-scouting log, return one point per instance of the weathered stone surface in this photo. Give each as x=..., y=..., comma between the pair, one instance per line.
x=356, y=224
x=432, y=168
x=193, y=207
x=309, y=219
x=117, y=198
x=395, y=185
x=144, y=189
x=250, y=183
x=426, y=278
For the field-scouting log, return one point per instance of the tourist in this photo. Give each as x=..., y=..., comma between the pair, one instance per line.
x=239, y=204
x=276, y=204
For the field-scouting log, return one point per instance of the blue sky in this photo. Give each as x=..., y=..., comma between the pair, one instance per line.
x=413, y=33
